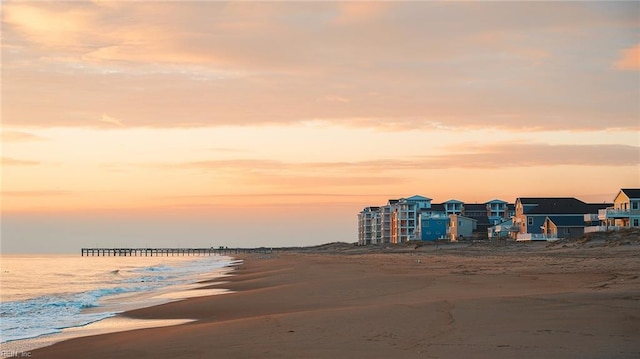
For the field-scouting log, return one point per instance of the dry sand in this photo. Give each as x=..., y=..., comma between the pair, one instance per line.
x=568, y=300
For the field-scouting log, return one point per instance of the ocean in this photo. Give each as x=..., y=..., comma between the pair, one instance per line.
x=46, y=294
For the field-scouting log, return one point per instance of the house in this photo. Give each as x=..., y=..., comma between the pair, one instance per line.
x=461, y=227
x=501, y=230
x=486, y=214
x=433, y=223
x=625, y=211
x=531, y=213
x=563, y=226
x=478, y=212
x=496, y=209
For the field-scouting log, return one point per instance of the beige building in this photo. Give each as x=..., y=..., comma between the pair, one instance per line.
x=461, y=227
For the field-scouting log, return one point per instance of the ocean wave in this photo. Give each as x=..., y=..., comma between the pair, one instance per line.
x=156, y=268
x=51, y=313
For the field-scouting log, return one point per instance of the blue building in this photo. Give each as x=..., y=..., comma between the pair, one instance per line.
x=433, y=222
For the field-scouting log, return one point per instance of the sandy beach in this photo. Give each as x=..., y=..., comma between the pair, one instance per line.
x=473, y=300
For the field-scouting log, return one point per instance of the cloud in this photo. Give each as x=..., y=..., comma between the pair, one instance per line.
x=333, y=98
x=49, y=25
x=408, y=64
x=20, y=136
x=228, y=150
x=47, y=193
x=471, y=157
x=9, y=161
x=629, y=59
x=108, y=119
x=531, y=155
x=355, y=12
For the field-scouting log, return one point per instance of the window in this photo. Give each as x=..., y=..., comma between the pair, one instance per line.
x=635, y=222
x=634, y=205
x=530, y=221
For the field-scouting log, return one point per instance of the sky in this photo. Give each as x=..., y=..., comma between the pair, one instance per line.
x=208, y=123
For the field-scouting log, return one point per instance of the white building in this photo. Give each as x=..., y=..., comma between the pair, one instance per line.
x=453, y=206
x=496, y=211
x=368, y=223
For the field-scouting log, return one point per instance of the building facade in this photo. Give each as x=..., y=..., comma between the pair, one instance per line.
x=368, y=226
x=453, y=206
x=532, y=212
x=625, y=211
x=461, y=227
x=433, y=223
x=404, y=218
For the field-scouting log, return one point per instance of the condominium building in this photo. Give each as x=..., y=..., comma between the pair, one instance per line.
x=404, y=218
x=368, y=223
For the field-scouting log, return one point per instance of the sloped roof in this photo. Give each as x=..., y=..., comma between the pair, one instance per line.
x=453, y=201
x=418, y=198
x=567, y=221
x=475, y=207
x=496, y=201
x=631, y=192
x=554, y=205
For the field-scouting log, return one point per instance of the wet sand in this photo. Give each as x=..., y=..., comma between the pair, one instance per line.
x=454, y=301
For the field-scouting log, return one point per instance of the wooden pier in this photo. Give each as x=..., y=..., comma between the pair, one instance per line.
x=166, y=252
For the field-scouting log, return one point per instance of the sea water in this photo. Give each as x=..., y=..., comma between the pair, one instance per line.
x=44, y=294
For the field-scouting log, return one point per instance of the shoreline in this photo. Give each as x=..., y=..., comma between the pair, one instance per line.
x=118, y=321
x=520, y=300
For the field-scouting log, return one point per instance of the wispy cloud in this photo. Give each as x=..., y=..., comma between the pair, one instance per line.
x=10, y=161
x=20, y=136
x=527, y=155
x=493, y=156
x=108, y=119
x=46, y=193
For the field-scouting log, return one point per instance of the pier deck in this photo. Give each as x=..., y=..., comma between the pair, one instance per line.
x=166, y=252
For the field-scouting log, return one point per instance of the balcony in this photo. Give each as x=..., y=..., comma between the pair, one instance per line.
x=591, y=217
x=613, y=213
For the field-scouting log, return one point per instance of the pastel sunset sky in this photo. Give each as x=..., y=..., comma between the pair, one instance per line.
x=273, y=123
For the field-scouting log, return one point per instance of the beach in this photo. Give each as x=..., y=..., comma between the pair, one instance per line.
x=466, y=300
